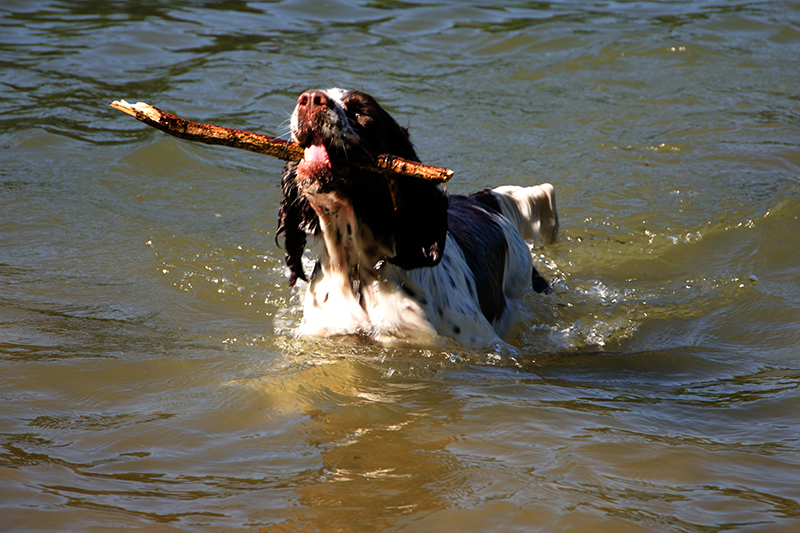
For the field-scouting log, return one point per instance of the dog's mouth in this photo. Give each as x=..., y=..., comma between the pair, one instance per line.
x=315, y=172
x=316, y=153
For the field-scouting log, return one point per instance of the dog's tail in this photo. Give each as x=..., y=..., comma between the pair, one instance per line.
x=531, y=209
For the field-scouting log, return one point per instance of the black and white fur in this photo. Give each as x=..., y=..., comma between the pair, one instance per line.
x=397, y=259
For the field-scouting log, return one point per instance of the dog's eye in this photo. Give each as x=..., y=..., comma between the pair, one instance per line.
x=360, y=119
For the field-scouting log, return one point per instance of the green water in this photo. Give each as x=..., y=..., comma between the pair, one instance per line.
x=151, y=375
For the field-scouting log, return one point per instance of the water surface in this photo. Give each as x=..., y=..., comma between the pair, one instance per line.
x=151, y=374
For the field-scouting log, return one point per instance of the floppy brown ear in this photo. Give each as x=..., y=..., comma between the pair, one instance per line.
x=294, y=218
x=420, y=228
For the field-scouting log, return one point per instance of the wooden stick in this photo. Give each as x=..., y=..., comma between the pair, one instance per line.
x=264, y=144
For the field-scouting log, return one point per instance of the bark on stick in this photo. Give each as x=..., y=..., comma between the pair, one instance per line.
x=264, y=144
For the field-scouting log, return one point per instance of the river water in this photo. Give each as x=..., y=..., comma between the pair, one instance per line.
x=151, y=375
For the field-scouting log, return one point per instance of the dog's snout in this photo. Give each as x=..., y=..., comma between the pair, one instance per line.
x=320, y=116
x=311, y=116
x=311, y=100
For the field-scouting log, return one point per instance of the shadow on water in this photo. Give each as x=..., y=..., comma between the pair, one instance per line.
x=395, y=433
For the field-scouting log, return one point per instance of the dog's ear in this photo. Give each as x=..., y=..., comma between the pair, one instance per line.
x=420, y=228
x=294, y=218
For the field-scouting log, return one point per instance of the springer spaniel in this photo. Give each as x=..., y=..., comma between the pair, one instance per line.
x=397, y=259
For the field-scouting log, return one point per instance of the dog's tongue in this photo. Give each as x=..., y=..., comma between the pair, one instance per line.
x=317, y=153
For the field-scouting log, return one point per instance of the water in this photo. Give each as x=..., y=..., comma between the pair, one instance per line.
x=151, y=377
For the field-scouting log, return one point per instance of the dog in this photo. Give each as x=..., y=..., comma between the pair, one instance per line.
x=398, y=260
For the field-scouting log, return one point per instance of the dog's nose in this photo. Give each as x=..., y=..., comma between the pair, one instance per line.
x=313, y=99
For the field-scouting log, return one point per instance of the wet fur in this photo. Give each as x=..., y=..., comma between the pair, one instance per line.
x=397, y=259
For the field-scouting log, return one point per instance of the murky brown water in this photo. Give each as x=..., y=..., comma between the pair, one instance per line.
x=151, y=378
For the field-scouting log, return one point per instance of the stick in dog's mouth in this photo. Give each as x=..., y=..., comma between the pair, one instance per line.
x=265, y=144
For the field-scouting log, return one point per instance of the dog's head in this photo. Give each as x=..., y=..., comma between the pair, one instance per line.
x=343, y=120
x=407, y=215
